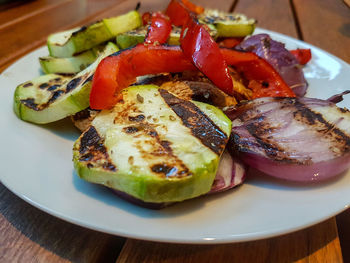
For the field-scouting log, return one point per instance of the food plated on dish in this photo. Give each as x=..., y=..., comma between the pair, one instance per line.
x=160, y=140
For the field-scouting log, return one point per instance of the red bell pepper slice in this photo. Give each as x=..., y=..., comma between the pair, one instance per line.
x=230, y=42
x=118, y=71
x=177, y=12
x=159, y=30
x=199, y=46
x=146, y=17
x=302, y=55
x=263, y=79
x=192, y=7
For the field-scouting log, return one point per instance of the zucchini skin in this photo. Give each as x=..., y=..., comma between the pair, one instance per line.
x=70, y=65
x=227, y=24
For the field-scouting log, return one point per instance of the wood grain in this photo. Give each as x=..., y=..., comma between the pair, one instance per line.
x=325, y=24
x=29, y=235
x=22, y=12
x=343, y=223
x=316, y=244
x=32, y=29
x=276, y=15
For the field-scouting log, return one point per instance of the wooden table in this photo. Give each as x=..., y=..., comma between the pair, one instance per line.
x=30, y=235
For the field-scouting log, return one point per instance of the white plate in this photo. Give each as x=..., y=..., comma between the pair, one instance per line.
x=36, y=165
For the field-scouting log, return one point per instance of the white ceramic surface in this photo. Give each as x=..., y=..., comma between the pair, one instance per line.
x=36, y=165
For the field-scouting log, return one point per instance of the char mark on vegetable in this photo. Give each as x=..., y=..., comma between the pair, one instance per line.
x=159, y=150
x=199, y=123
x=73, y=84
x=82, y=29
x=275, y=126
x=92, y=150
x=163, y=169
x=138, y=118
x=54, y=97
x=28, y=84
x=30, y=104
x=153, y=149
x=337, y=137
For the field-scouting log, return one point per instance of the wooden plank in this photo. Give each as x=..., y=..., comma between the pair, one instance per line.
x=343, y=223
x=29, y=31
x=271, y=14
x=316, y=244
x=334, y=37
x=29, y=235
x=24, y=10
x=21, y=37
x=325, y=24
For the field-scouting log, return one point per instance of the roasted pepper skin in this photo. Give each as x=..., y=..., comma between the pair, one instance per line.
x=159, y=29
x=120, y=70
x=302, y=55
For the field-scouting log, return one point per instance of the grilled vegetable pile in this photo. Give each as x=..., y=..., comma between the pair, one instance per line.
x=177, y=104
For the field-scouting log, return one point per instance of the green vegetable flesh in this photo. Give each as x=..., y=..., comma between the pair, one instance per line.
x=148, y=146
x=137, y=36
x=123, y=23
x=228, y=25
x=69, y=65
x=131, y=38
x=68, y=43
x=53, y=97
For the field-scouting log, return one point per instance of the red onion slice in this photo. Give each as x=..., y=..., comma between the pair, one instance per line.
x=295, y=139
x=231, y=172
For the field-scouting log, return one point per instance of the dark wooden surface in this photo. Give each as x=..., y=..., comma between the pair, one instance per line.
x=30, y=235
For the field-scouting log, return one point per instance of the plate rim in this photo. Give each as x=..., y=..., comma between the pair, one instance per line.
x=229, y=238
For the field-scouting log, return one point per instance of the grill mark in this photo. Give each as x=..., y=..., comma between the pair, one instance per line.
x=44, y=85
x=93, y=151
x=164, y=169
x=37, y=107
x=89, y=139
x=137, y=118
x=330, y=129
x=73, y=84
x=258, y=129
x=29, y=84
x=173, y=167
x=54, y=97
x=201, y=126
x=84, y=114
x=274, y=151
x=30, y=104
x=130, y=129
x=83, y=28
x=53, y=87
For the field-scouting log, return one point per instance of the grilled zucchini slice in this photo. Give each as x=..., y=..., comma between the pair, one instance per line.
x=53, y=97
x=227, y=24
x=68, y=43
x=71, y=65
x=153, y=146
